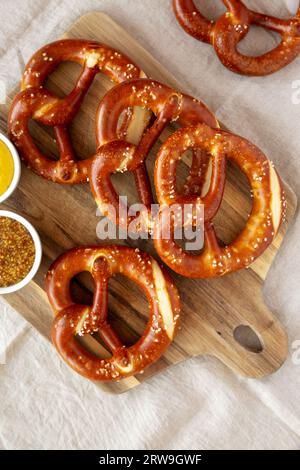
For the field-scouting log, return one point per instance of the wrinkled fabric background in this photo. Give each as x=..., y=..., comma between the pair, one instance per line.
x=199, y=404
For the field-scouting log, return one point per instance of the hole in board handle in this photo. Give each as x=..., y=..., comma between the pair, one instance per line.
x=248, y=339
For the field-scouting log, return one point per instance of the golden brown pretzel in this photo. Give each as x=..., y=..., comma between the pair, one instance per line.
x=72, y=319
x=167, y=105
x=267, y=209
x=39, y=104
x=231, y=28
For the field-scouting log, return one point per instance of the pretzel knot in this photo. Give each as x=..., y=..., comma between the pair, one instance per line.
x=168, y=106
x=226, y=33
x=263, y=223
x=73, y=320
x=35, y=102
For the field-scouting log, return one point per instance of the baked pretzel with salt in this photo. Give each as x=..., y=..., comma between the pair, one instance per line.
x=268, y=207
x=36, y=102
x=114, y=156
x=74, y=320
x=226, y=33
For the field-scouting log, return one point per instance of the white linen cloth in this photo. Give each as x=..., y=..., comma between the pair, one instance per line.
x=199, y=404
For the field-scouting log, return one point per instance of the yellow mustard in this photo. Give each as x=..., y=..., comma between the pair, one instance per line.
x=6, y=168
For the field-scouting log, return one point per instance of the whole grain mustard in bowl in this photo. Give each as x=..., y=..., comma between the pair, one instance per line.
x=20, y=252
x=10, y=168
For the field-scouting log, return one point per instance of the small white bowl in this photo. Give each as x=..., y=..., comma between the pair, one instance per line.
x=38, y=252
x=17, y=168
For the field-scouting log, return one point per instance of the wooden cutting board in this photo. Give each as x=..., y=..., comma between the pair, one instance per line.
x=226, y=318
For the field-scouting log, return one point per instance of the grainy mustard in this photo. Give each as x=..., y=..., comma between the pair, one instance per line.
x=17, y=252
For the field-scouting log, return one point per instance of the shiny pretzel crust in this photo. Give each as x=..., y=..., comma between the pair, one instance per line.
x=268, y=206
x=114, y=156
x=73, y=319
x=232, y=27
x=35, y=102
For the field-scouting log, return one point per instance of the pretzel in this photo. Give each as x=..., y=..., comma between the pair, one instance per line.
x=35, y=102
x=73, y=320
x=168, y=106
x=226, y=33
x=263, y=223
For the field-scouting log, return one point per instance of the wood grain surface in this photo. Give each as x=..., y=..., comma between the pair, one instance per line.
x=217, y=314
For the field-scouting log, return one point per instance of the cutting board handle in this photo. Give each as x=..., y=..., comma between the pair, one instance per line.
x=234, y=346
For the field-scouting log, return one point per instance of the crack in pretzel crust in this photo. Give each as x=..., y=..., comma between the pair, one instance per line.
x=73, y=320
x=35, y=102
x=230, y=28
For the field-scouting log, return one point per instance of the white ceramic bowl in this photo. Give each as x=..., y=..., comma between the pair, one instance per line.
x=38, y=252
x=17, y=168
